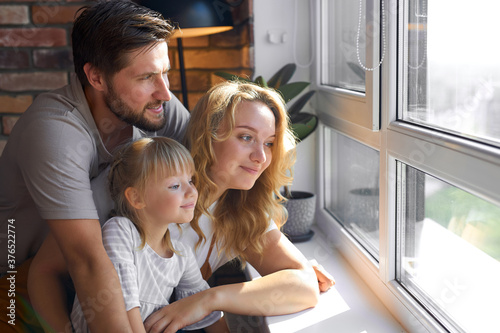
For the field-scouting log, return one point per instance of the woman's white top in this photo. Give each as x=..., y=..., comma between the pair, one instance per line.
x=189, y=238
x=146, y=278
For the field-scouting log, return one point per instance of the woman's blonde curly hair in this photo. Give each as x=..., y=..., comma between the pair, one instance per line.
x=240, y=217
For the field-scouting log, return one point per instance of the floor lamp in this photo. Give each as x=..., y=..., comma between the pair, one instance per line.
x=195, y=18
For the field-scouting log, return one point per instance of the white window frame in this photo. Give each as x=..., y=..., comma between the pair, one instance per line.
x=396, y=140
x=356, y=107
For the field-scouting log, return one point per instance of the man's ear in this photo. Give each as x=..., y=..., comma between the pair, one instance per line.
x=94, y=76
x=134, y=198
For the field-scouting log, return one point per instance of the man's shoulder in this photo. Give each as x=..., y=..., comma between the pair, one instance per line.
x=59, y=101
x=63, y=101
x=53, y=111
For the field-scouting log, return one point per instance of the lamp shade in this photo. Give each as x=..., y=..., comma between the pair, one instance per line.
x=195, y=17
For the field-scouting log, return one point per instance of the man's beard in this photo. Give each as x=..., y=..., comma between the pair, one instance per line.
x=126, y=114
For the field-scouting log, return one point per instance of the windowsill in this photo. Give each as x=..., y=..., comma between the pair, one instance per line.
x=447, y=267
x=349, y=306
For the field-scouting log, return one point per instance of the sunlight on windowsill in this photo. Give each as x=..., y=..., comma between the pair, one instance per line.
x=349, y=306
x=456, y=274
x=330, y=304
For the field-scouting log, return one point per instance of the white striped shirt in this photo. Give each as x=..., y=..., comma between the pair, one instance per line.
x=146, y=278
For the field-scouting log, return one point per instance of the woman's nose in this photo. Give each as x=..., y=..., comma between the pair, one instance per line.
x=258, y=154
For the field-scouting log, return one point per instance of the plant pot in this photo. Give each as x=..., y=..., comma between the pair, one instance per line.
x=301, y=210
x=363, y=208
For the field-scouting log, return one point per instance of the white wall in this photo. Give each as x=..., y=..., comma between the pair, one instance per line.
x=277, y=17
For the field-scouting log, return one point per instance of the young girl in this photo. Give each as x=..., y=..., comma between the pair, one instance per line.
x=151, y=183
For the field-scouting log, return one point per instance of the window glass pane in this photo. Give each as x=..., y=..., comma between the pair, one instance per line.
x=449, y=251
x=352, y=188
x=453, y=67
x=341, y=68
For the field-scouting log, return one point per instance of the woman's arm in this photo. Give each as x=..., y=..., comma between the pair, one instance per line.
x=325, y=280
x=219, y=326
x=288, y=284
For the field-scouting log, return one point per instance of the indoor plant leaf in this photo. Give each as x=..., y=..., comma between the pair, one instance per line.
x=261, y=81
x=282, y=76
x=302, y=118
x=231, y=77
x=299, y=104
x=302, y=130
x=290, y=90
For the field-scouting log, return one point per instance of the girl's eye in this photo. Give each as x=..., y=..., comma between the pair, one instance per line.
x=174, y=187
x=269, y=144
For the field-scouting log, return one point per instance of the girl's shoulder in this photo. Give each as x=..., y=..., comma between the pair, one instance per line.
x=119, y=224
x=180, y=247
x=116, y=220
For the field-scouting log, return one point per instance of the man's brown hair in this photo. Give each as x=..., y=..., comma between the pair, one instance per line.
x=106, y=31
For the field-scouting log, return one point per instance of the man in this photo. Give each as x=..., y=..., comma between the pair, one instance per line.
x=63, y=143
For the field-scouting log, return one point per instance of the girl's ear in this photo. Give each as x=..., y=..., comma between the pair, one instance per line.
x=134, y=198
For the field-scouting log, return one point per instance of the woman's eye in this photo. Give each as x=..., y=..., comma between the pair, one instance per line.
x=246, y=137
x=269, y=144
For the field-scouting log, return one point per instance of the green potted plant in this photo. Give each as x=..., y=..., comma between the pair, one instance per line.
x=301, y=205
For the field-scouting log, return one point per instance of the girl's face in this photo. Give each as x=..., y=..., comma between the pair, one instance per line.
x=170, y=199
x=241, y=159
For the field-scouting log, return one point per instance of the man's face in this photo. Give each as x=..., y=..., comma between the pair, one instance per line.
x=136, y=93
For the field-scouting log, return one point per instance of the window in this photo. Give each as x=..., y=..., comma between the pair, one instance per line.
x=412, y=198
x=344, y=43
x=350, y=58
x=452, y=68
x=353, y=188
x=449, y=257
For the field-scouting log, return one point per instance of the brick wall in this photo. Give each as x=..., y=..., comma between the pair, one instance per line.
x=35, y=54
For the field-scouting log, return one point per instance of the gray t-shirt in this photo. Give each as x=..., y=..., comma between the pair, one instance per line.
x=51, y=158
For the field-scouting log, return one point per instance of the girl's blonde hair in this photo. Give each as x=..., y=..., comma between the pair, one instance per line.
x=240, y=217
x=138, y=162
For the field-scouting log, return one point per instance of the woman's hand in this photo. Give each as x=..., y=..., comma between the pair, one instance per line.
x=325, y=280
x=180, y=314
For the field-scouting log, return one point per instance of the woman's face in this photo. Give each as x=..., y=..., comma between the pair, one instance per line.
x=242, y=158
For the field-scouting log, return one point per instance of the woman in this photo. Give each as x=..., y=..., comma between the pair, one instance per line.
x=243, y=151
